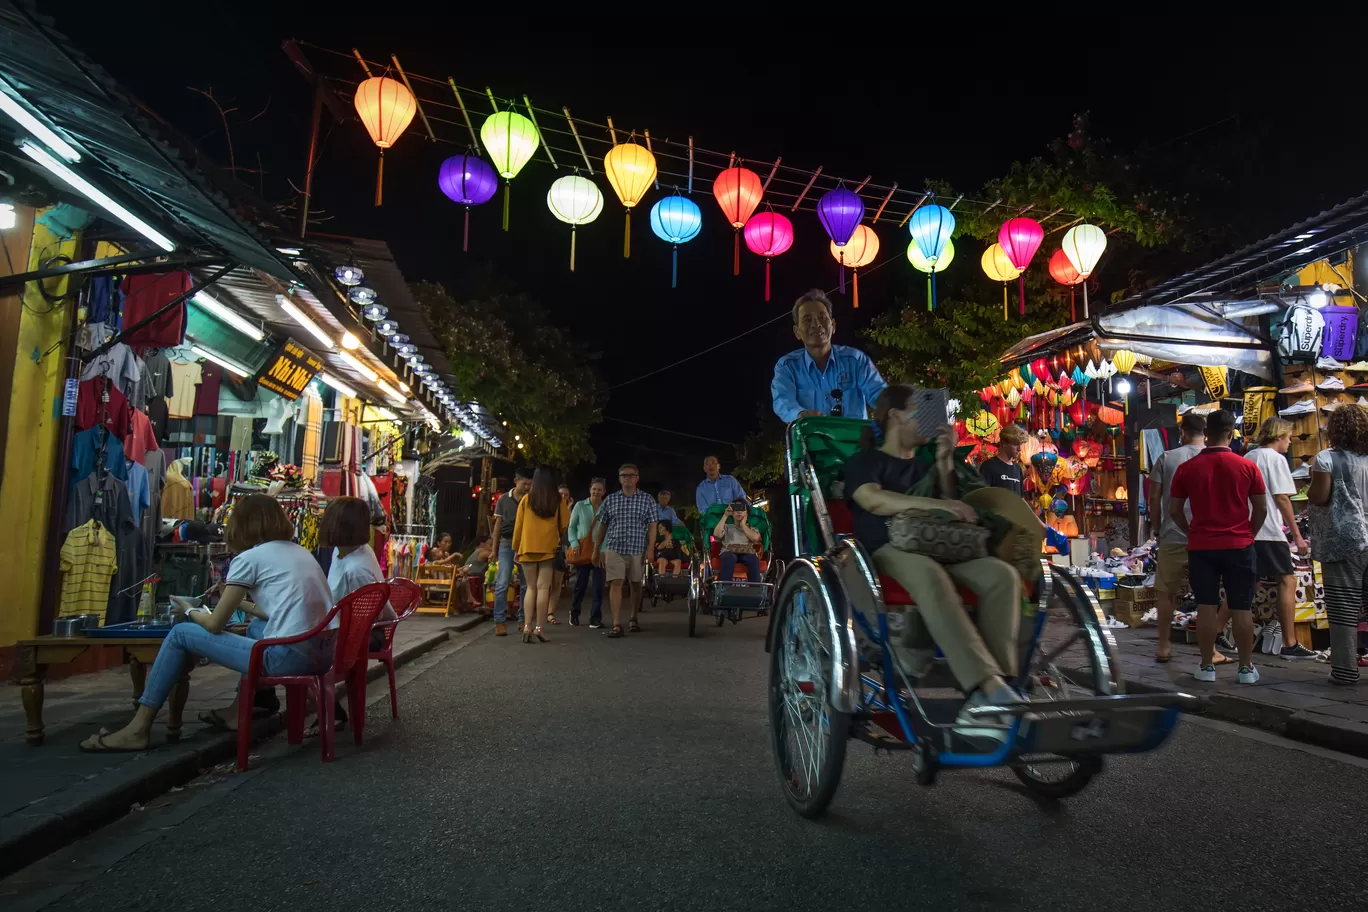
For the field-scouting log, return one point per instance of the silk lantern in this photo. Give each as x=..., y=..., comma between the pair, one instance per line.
x=1084, y=245
x=511, y=140
x=983, y=424
x=858, y=252
x=1020, y=239
x=470, y=181
x=386, y=108
x=768, y=234
x=931, y=227
x=576, y=201
x=999, y=268
x=738, y=191
x=923, y=264
x=840, y=212
x=1063, y=272
x=631, y=169
x=1124, y=360
x=676, y=220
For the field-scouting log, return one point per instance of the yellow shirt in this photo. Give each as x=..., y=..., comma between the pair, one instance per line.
x=535, y=538
x=88, y=563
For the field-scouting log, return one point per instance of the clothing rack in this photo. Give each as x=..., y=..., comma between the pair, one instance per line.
x=404, y=552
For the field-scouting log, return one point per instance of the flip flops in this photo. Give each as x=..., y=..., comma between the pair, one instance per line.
x=99, y=747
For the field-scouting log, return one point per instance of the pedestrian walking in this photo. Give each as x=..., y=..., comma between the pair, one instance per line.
x=581, y=533
x=541, y=521
x=1271, y=553
x=505, y=519
x=624, y=542
x=1003, y=470
x=1339, y=534
x=1225, y=493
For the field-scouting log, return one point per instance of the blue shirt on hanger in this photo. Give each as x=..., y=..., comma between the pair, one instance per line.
x=86, y=448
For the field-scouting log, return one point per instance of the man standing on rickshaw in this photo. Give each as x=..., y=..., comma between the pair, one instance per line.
x=821, y=378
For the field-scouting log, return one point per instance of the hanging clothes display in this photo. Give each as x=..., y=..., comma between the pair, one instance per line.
x=99, y=402
x=154, y=461
x=141, y=437
x=313, y=436
x=181, y=388
x=97, y=446
x=148, y=293
x=106, y=499
x=118, y=364
x=88, y=563
x=157, y=373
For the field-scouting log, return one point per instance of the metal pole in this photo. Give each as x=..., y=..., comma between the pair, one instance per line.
x=313, y=155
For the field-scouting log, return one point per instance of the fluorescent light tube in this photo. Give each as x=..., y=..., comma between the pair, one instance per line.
x=35, y=126
x=338, y=385
x=391, y=392
x=303, y=320
x=228, y=315
x=98, y=197
x=219, y=359
x=359, y=366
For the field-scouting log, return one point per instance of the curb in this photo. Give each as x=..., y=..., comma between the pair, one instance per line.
x=108, y=797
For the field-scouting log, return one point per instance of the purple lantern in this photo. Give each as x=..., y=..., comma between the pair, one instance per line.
x=470, y=181
x=1341, y=332
x=840, y=212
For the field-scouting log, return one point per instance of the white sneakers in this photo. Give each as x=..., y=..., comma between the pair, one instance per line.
x=1331, y=406
x=1206, y=673
x=1358, y=367
x=1302, y=472
x=1247, y=674
x=1331, y=384
x=1304, y=407
x=1330, y=364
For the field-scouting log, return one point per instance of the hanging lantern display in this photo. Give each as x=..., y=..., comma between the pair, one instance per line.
x=1112, y=417
x=922, y=264
x=576, y=201
x=857, y=253
x=738, y=191
x=1215, y=380
x=1044, y=463
x=931, y=227
x=676, y=220
x=1025, y=372
x=999, y=268
x=983, y=424
x=1124, y=360
x=510, y=139
x=1063, y=272
x=1079, y=377
x=386, y=107
x=349, y=275
x=768, y=234
x=1084, y=245
x=1014, y=397
x=631, y=169
x=1020, y=239
x=470, y=181
x=840, y=211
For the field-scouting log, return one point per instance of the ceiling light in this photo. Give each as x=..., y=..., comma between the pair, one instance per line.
x=420, y=368
x=338, y=385
x=391, y=392
x=350, y=342
x=362, y=295
x=400, y=339
x=404, y=348
x=98, y=197
x=374, y=312
x=289, y=251
x=349, y=275
x=299, y=317
x=383, y=412
x=7, y=216
x=44, y=133
x=227, y=315
x=219, y=359
x=359, y=366
x=404, y=387
x=387, y=327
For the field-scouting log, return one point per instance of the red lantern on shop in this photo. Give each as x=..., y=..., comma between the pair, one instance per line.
x=738, y=192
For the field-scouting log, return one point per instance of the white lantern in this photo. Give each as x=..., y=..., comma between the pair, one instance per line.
x=1083, y=246
x=1300, y=337
x=576, y=201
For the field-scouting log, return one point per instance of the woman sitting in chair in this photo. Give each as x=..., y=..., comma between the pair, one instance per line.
x=669, y=553
x=876, y=481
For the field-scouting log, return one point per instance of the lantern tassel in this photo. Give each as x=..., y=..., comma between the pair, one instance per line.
x=1004, y=302
x=1148, y=404
x=767, y=278
x=1022, y=280
x=674, y=267
x=855, y=287
x=1073, y=314
x=933, y=288
x=572, y=248
x=465, y=238
x=736, y=255
x=380, y=179
x=842, y=278
x=627, y=236
x=1085, y=299
x=505, y=202
x=928, y=293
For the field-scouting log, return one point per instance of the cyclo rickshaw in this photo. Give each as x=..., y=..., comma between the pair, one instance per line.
x=729, y=599
x=659, y=587
x=833, y=675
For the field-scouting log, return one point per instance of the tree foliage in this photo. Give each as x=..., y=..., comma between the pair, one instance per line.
x=507, y=355
x=761, y=456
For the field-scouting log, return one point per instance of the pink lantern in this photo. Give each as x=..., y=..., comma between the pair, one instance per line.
x=768, y=234
x=1020, y=239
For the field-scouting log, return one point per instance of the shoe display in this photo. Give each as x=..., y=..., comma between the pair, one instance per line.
x=1302, y=472
x=1304, y=407
x=1247, y=674
x=1302, y=386
x=1331, y=384
x=1358, y=367
x=1362, y=400
x=1358, y=388
x=1331, y=406
x=1330, y=364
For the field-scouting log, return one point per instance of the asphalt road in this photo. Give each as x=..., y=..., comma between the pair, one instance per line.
x=589, y=773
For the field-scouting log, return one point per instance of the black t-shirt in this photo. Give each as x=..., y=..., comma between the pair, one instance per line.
x=999, y=474
x=888, y=472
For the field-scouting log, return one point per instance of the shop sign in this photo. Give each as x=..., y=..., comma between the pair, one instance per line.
x=289, y=370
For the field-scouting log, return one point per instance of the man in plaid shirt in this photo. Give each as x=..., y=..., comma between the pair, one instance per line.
x=624, y=538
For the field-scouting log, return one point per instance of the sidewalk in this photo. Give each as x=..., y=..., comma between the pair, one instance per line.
x=1293, y=697
x=54, y=793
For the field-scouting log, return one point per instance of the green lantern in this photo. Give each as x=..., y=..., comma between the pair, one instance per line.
x=511, y=140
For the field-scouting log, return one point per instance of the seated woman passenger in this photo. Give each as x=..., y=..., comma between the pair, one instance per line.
x=738, y=542
x=287, y=589
x=876, y=481
x=669, y=553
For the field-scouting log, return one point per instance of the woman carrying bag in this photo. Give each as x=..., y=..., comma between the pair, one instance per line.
x=541, y=521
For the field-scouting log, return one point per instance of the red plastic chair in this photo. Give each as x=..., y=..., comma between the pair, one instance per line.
x=405, y=597
x=357, y=612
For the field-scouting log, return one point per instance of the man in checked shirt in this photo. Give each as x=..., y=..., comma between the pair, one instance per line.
x=624, y=542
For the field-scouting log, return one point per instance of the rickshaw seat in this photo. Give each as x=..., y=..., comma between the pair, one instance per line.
x=715, y=555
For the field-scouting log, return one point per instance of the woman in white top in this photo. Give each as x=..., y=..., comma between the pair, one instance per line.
x=346, y=529
x=1339, y=533
x=287, y=589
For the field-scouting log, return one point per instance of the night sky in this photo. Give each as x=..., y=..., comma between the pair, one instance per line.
x=1273, y=108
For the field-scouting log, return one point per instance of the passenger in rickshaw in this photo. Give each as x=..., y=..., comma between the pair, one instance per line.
x=670, y=553
x=876, y=479
x=738, y=542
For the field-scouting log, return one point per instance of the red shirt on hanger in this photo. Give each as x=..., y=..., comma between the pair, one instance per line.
x=141, y=438
x=146, y=294
x=92, y=410
x=207, y=393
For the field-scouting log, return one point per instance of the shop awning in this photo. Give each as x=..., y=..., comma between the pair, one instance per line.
x=1189, y=334
x=1033, y=346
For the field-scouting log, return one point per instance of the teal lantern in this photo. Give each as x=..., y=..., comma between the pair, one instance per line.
x=676, y=220
x=931, y=227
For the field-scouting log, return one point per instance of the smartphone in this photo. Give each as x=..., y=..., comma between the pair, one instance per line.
x=931, y=409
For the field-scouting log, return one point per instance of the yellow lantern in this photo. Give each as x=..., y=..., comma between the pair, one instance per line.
x=983, y=424
x=999, y=267
x=630, y=169
x=1014, y=398
x=511, y=140
x=1017, y=382
x=386, y=107
x=1124, y=360
x=1005, y=386
x=858, y=252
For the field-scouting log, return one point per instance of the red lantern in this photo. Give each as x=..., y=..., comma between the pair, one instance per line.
x=1040, y=368
x=1078, y=414
x=1020, y=239
x=386, y=108
x=1063, y=272
x=738, y=192
x=1110, y=416
x=769, y=234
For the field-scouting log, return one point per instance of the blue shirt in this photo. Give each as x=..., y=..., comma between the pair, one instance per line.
x=97, y=444
x=627, y=519
x=798, y=385
x=723, y=491
x=670, y=514
x=138, y=494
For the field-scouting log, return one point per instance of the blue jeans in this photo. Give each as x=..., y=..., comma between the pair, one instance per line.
x=582, y=577
x=728, y=562
x=506, y=562
x=189, y=640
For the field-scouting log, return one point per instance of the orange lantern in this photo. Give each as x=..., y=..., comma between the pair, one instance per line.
x=386, y=108
x=738, y=192
x=859, y=251
x=1110, y=416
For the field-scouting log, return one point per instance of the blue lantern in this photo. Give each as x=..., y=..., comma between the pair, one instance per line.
x=931, y=227
x=676, y=220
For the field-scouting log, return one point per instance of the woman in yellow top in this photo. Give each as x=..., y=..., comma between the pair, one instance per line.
x=542, y=520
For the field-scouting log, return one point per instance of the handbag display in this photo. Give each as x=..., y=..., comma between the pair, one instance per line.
x=938, y=535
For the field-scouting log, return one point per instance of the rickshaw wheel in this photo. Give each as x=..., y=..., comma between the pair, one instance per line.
x=1076, y=777
x=924, y=764
x=808, y=734
x=693, y=605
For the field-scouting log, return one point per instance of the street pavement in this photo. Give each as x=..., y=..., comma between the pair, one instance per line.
x=589, y=773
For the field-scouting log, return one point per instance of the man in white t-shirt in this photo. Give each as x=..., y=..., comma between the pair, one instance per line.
x=1272, y=556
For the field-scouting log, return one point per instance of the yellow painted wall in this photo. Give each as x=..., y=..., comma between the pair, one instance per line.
x=31, y=439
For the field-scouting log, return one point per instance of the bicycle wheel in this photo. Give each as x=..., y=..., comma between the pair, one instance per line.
x=694, y=596
x=1073, y=659
x=808, y=734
